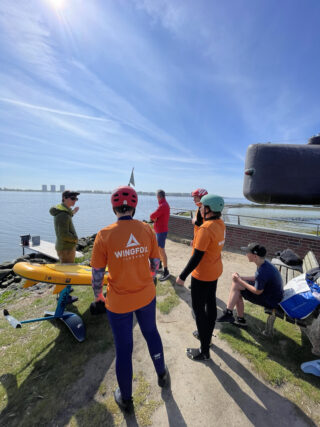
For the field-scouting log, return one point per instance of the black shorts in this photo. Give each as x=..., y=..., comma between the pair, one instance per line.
x=255, y=299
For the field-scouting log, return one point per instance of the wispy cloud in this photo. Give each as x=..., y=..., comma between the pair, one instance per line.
x=241, y=58
x=51, y=110
x=30, y=41
x=175, y=90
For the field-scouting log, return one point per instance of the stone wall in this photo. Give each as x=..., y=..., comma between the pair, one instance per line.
x=241, y=235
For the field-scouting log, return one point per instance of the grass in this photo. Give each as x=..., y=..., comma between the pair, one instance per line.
x=167, y=298
x=185, y=213
x=276, y=225
x=276, y=359
x=41, y=360
x=106, y=412
x=7, y=296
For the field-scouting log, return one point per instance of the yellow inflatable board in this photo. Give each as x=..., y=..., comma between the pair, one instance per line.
x=59, y=274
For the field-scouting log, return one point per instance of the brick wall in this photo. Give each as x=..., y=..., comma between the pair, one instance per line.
x=241, y=235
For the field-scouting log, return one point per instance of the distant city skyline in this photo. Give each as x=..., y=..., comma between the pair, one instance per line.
x=176, y=89
x=41, y=190
x=53, y=188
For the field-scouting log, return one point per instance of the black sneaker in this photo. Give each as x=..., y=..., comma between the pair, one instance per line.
x=165, y=276
x=164, y=379
x=126, y=405
x=227, y=317
x=197, y=355
x=241, y=322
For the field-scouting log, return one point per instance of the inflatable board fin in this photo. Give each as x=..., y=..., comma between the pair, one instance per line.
x=29, y=283
x=58, y=288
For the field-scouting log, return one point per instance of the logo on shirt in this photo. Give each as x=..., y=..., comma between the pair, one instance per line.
x=134, y=252
x=132, y=241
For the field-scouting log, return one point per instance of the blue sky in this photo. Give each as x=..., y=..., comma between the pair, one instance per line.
x=176, y=88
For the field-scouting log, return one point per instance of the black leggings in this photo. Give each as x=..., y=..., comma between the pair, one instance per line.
x=204, y=305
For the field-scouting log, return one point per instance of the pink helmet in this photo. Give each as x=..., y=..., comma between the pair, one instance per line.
x=199, y=192
x=124, y=195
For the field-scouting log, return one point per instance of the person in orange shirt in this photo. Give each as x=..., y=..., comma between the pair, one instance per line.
x=129, y=249
x=206, y=267
x=160, y=218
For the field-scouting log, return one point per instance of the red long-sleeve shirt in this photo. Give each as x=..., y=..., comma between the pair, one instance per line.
x=161, y=217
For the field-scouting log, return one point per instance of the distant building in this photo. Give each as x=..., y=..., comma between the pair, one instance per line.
x=44, y=187
x=52, y=188
x=62, y=188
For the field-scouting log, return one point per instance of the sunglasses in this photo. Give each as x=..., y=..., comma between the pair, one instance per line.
x=73, y=198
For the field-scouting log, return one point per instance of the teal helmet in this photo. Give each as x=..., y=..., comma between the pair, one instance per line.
x=214, y=202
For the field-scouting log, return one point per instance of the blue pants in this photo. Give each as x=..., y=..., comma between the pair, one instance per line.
x=122, y=325
x=161, y=239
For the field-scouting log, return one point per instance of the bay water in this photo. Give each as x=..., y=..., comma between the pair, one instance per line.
x=28, y=213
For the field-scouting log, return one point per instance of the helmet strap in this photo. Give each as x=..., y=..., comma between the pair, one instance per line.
x=207, y=211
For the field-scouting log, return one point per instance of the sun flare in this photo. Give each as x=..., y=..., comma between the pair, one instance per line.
x=57, y=4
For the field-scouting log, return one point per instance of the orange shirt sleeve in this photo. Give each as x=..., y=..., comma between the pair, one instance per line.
x=202, y=239
x=99, y=258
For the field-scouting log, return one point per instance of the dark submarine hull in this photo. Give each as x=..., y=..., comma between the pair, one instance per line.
x=283, y=174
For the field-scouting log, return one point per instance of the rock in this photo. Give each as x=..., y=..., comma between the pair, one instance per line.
x=81, y=245
x=4, y=284
x=38, y=261
x=4, y=273
x=22, y=259
x=84, y=243
x=17, y=279
x=7, y=264
x=46, y=258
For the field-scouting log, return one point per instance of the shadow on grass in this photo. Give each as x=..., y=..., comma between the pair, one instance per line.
x=273, y=409
x=48, y=395
x=280, y=348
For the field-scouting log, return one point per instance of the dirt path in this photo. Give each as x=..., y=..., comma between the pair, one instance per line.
x=224, y=391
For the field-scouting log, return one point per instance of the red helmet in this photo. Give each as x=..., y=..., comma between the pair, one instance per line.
x=199, y=192
x=124, y=195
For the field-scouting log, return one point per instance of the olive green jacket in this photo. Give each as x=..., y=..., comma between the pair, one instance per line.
x=66, y=234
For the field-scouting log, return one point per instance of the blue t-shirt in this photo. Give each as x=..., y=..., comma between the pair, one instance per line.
x=268, y=279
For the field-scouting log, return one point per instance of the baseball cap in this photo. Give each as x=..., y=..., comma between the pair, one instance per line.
x=68, y=193
x=255, y=248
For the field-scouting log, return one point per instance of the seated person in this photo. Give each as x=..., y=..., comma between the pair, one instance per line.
x=265, y=288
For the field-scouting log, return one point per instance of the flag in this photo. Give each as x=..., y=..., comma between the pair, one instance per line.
x=131, y=181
